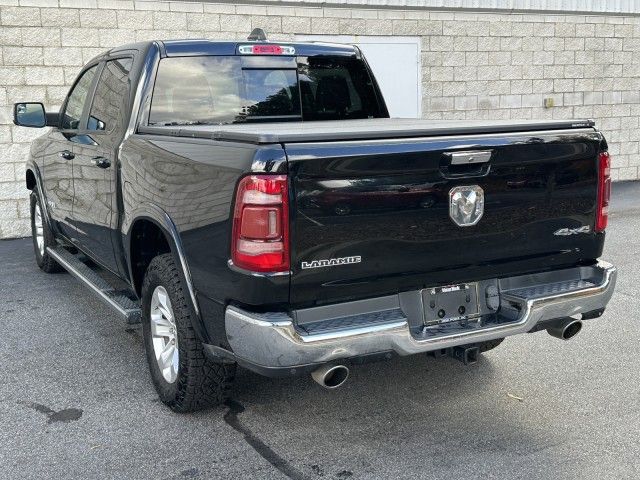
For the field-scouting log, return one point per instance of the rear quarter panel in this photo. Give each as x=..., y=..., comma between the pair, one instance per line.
x=193, y=181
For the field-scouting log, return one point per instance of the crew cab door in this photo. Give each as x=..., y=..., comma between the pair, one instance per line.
x=59, y=154
x=95, y=182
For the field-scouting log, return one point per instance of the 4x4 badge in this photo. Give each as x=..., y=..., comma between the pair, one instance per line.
x=563, y=232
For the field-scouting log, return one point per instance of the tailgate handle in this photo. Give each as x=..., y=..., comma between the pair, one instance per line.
x=466, y=158
x=472, y=163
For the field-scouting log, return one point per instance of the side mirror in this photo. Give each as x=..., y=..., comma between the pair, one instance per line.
x=29, y=115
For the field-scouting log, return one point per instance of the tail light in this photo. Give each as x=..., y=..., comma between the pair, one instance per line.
x=604, y=191
x=260, y=239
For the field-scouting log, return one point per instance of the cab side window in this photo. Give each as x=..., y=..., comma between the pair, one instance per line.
x=77, y=98
x=110, y=101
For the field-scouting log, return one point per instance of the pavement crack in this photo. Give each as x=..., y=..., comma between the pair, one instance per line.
x=264, y=450
x=66, y=415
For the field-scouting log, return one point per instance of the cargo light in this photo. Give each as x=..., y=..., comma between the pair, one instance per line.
x=604, y=191
x=260, y=238
x=266, y=49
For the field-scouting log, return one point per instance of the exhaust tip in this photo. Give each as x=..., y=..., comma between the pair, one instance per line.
x=566, y=329
x=331, y=376
x=572, y=330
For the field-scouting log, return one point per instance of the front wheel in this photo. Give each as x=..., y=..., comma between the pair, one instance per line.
x=42, y=237
x=185, y=379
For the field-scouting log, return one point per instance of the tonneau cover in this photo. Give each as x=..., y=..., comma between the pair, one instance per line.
x=378, y=128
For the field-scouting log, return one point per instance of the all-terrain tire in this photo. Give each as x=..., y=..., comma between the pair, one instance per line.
x=200, y=382
x=43, y=259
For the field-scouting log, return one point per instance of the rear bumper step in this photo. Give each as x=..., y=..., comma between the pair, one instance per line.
x=271, y=343
x=129, y=309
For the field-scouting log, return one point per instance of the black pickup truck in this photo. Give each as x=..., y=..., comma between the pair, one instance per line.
x=252, y=204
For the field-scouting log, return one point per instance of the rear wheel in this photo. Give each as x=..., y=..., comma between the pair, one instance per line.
x=42, y=237
x=185, y=379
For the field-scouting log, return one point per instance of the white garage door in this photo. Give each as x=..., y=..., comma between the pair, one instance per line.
x=396, y=64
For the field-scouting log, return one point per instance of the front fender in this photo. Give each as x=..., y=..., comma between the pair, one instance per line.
x=32, y=167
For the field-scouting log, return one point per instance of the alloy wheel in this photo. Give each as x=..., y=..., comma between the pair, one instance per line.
x=39, y=228
x=164, y=334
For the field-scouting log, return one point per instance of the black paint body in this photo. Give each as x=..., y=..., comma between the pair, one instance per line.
x=385, y=200
x=388, y=202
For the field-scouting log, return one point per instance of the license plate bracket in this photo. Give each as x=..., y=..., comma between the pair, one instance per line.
x=450, y=303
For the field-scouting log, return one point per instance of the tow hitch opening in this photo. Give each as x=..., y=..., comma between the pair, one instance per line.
x=467, y=355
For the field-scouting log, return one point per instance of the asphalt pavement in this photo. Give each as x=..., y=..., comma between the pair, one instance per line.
x=76, y=400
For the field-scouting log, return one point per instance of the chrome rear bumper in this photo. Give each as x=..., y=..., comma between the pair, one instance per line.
x=273, y=341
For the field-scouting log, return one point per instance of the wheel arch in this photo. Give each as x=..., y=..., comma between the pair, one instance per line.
x=146, y=240
x=153, y=225
x=30, y=179
x=33, y=182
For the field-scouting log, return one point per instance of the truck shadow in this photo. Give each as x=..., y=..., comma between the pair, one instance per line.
x=436, y=411
x=419, y=374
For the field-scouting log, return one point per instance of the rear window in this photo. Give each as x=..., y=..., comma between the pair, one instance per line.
x=214, y=90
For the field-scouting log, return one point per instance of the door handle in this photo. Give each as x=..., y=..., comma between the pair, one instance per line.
x=67, y=155
x=102, y=162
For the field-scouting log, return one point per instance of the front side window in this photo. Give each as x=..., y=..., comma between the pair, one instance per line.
x=214, y=90
x=109, y=105
x=77, y=98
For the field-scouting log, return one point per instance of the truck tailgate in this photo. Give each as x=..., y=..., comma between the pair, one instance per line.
x=372, y=217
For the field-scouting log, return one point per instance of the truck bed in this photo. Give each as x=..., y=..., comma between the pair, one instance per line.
x=378, y=192
x=341, y=130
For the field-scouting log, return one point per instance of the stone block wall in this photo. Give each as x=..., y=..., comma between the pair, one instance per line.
x=475, y=65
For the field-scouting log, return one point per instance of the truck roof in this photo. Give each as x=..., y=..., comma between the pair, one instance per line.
x=196, y=47
x=212, y=47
